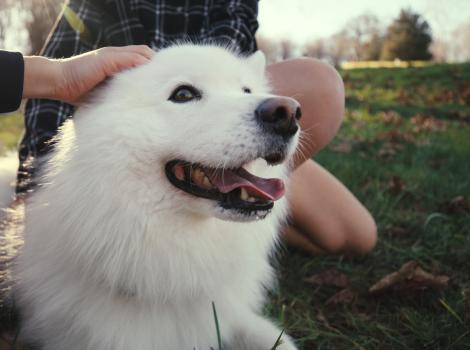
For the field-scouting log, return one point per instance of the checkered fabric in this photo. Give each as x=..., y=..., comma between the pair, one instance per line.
x=89, y=24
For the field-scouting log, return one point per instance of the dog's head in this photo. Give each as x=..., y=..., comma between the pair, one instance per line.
x=201, y=131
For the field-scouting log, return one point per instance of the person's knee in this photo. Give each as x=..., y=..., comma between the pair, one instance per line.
x=357, y=239
x=323, y=102
x=366, y=239
x=335, y=243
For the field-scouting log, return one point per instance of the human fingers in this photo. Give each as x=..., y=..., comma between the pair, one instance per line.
x=119, y=61
x=143, y=50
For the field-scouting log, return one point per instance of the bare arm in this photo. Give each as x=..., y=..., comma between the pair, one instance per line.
x=70, y=79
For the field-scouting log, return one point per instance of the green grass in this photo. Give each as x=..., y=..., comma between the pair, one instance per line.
x=432, y=162
x=11, y=126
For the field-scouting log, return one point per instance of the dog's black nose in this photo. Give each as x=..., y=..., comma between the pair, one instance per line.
x=279, y=115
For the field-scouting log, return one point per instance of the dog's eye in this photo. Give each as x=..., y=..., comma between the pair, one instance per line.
x=185, y=93
x=247, y=90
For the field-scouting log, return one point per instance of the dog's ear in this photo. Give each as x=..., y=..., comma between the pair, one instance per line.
x=258, y=61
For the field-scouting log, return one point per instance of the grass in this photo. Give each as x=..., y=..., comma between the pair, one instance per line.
x=404, y=150
x=11, y=126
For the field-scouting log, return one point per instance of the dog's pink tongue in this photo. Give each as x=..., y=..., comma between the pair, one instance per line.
x=228, y=180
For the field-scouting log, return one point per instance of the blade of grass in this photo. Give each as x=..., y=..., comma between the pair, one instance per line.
x=216, y=320
x=278, y=341
x=451, y=311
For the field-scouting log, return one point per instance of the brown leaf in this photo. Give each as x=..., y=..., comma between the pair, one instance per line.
x=331, y=277
x=343, y=147
x=390, y=117
x=396, y=231
x=345, y=296
x=403, y=97
x=395, y=136
x=458, y=204
x=396, y=185
x=389, y=150
x=410, y=277
x=423, y=122
x=322, y=318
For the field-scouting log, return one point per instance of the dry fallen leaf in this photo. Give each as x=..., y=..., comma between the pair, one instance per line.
x=396, y=185
x=423, y=122
x=343, y=147
x=390, y=117
x=458, y=204
x=404, y=98
x=389, y=150
x=331, y=277
x=344, y=296
x=321, y=318
x=397, y=231
x=410, y=277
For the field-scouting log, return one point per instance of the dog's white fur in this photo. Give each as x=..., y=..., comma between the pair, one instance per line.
x=116, y=257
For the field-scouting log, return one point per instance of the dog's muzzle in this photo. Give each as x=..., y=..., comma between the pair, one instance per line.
x=279, y=116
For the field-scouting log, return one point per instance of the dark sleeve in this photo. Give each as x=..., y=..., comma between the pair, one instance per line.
x=11, y=80
x=234, y=23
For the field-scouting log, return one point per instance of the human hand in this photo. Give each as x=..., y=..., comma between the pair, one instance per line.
x=70, y=79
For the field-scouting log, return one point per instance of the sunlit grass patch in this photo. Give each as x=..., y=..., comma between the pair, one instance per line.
x=11, y=127
x=404, y=150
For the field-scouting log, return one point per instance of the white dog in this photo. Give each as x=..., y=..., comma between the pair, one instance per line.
x=149, y=210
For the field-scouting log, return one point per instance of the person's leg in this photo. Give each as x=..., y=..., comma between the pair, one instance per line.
x=328, y=213
x=326, y=216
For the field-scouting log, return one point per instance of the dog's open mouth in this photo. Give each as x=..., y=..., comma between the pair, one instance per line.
x=232, y=188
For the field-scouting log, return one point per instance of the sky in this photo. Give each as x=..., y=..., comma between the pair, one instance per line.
x=304, y=20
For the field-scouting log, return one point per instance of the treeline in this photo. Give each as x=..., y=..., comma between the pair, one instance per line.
x=408, y=37
x=365, y=38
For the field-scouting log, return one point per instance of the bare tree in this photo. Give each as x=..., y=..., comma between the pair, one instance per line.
x=360, y=39
x=460, y=44
x=41, y=19
x=340, y=48
x=288, y=49
x=366, y=35
x=270, y=47
x=440, y=50
x=38, y=17
x=5, y=18
x=316, y=49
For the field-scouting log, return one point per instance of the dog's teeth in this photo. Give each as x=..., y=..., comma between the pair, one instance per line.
x=206, y=182
x=197, y=176
x=244, y=194
x=251, y=199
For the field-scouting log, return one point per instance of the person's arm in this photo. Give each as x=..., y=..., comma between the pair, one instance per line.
x=234, y=23
x=66, y=80
x=70, y=79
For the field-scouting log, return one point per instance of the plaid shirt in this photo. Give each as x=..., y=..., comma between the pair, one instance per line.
x=89, y=24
